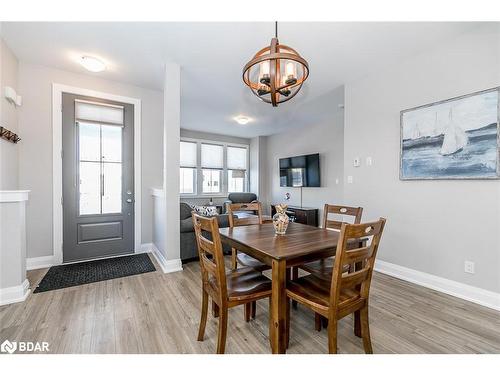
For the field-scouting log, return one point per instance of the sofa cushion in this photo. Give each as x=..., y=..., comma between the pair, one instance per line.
x=206, y=210
x=185, y=211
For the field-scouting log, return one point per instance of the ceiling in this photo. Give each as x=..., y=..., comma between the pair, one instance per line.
x=212, y=55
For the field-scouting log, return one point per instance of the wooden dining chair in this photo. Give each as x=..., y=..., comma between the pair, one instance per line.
x=253, y=216
x=226, y=289
x=345, y=293
x=323, y=268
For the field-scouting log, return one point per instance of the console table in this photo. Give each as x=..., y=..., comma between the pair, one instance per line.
x=302, y=215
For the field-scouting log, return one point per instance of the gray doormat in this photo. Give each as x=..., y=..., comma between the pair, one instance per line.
x=65, y=276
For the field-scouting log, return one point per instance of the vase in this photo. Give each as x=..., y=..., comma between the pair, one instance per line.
x=280, y=219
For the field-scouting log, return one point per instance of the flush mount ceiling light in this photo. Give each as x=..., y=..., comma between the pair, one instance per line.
x=92, y=64
x=276, y=73
x=242, y=120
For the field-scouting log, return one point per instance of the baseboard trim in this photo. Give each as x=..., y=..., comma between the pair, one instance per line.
x=40, y=262
x=466, y=292
x=167, y=266
x=14, y=294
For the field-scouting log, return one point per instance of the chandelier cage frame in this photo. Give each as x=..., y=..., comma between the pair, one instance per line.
x=274, y=91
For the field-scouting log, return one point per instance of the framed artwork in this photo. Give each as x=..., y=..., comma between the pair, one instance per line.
x=457, y=138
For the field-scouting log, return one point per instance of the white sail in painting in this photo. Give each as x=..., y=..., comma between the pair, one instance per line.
x=416, y=132
x=455, y=138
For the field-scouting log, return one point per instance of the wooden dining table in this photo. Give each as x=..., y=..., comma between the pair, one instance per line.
x=301, y=244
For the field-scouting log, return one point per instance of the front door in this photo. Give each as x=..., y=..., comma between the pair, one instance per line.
x=98, y=178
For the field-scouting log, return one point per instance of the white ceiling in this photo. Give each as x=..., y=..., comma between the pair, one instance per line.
x=212, y=55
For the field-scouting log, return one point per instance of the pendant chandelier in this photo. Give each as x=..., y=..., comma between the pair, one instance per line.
x=276, y=73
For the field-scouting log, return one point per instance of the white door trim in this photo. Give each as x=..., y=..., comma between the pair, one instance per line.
x=57, y=91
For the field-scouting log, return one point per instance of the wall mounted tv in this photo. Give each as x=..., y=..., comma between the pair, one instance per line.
x=300, y=171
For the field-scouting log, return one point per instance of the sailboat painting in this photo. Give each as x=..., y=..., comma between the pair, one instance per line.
x=457, y=138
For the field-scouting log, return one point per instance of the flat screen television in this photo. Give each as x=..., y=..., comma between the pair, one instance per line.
x=300, y=171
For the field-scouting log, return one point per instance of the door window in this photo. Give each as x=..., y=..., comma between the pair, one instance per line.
x=100, y=168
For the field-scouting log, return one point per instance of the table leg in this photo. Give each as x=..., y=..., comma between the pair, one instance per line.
x=278, y=309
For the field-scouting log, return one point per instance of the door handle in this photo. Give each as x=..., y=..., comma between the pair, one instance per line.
x=129, y=200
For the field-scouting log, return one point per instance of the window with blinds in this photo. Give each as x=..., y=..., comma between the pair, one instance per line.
x=236, y=168
x=212, y=164
x=188, y=162
x=211, y=168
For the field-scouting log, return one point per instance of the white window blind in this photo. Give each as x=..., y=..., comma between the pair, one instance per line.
x=236, y=158
x=98, y=113
x=188, y=155
x=212, y=156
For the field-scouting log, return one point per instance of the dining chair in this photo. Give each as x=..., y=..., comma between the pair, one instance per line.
x=323, y=268
x=345, y=293
x=226, y=289
x=252, y=216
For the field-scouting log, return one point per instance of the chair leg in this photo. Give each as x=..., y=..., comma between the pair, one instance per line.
x=332, y=336
x=317, y=322
x=287, y=322
x=270, y=324
x=203, y=320
x=215, y=310
x=248, y=311
x=221, y=337
x=254, y=309
x=357, y=323
x=234, y=259
x=295, y=276
x=365, y=330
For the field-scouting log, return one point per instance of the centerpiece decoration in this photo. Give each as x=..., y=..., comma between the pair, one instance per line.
x=280, y=219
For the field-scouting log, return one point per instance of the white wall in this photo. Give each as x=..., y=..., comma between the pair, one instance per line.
x=432, y=226
x=35, y=158
x=9, y=163
x=324, y=135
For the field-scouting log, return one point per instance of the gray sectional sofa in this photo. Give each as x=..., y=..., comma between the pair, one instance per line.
x=189, y=250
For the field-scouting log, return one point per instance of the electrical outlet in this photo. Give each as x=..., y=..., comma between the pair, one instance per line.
x=357, y=162
x=369, y=161
x=468, y=266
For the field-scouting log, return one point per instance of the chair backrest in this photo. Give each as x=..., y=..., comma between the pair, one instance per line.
x=358, y=245
x=242, y=197
x=210, y=252
x=251, y=219
x=356, y=212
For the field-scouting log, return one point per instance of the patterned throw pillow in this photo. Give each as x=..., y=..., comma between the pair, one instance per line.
x=206, y=210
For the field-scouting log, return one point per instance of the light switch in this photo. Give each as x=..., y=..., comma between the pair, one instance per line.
x=336, y=181
x=357, y=162
x=349, y=179
x=369, y=161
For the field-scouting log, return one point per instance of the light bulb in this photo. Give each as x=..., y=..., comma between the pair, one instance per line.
x=290, y=70
x=264, y=68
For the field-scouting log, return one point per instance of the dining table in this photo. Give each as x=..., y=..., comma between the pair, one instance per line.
x=300, y=244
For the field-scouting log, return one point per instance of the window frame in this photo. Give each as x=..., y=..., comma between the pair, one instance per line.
x=224, y=171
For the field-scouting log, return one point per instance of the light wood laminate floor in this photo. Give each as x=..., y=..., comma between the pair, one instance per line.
x=159, y=313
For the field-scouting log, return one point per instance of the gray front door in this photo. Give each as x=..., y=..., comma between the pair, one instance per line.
x=98, y=178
